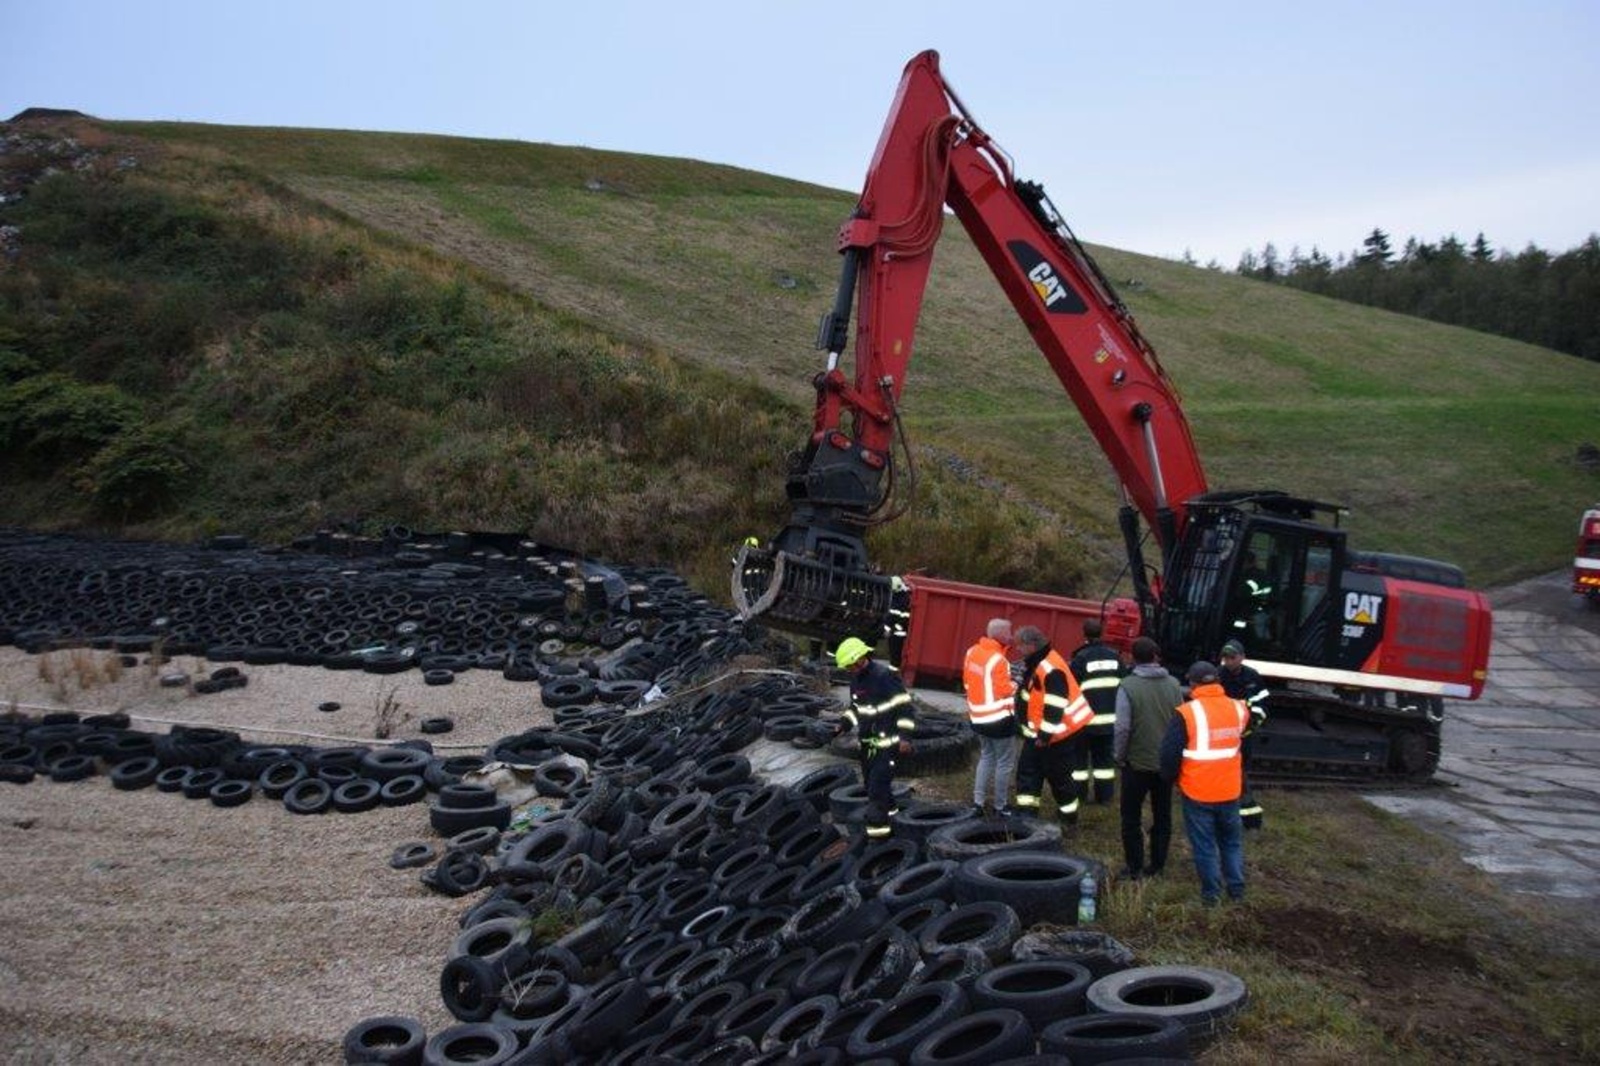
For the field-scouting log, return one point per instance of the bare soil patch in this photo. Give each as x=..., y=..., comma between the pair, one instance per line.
x=143, y=927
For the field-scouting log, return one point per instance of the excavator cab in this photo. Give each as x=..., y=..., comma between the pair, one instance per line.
x=1254, y=567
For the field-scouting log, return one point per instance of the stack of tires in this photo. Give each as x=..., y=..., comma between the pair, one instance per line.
x=671, y=907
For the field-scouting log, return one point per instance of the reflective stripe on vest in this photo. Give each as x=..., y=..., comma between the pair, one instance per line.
x=1071, y=712
x=987, y=676
x=1211, y=771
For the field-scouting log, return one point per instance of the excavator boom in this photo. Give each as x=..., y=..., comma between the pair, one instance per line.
x=932, y=155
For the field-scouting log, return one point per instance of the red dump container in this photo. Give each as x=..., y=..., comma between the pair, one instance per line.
x=947, y=617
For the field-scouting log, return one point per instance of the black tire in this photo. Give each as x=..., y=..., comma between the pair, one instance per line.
x=991, y=927
x=356, y=796
x=751, y=1017
x=470, y=987
x=934, y=879
x=966, y=840
x=311, y=796
x=402, y=791
x=385, y=1039
x=571, y=691
x=232, y=793
x=894, y=1028
x=135, y=773
x=480, y=1043
x=961, y=966
x=881, y=862
x=447, y=821
x=17, y=773
x=497, y=941
x=606, y=1016
x=463, y=796
x=200, y=783
x=1096, y=1038
x=919, y=821
x=1039, y=886
x=980, y=1039
x=438, y=677
x=459, y=873
x=412, y=854
x=1042, y=991
x=478, y=841
x=825, y=918
x=386, y=764
x=825, y=973
x=278, y=777
x=172, y=778
x=797, y=1022
x=912, y=919
x=880, y=969
x=71, y=768
x=1203, y=1000
x=434, y=726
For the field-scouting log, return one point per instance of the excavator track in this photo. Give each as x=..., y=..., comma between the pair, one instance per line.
x=1378, y=740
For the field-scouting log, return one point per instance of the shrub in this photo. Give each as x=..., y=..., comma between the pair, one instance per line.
x=137, y=474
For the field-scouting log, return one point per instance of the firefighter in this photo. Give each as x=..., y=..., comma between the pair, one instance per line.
x=882, y=715
x=1098, y=670
x=990, y=697
x=1052, y=715
x=1201, y=753
x=1242, y=682
x=898, y=623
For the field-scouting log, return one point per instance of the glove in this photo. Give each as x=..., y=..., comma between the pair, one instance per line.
x=905, y=747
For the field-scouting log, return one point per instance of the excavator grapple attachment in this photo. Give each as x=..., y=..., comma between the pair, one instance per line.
x=808, y=597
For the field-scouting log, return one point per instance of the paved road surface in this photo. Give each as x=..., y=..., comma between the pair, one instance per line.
x=1521, y=766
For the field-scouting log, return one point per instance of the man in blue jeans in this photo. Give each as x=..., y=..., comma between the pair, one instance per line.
x=1201, y=752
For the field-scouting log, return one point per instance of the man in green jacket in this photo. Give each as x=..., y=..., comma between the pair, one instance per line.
x=1147, y=699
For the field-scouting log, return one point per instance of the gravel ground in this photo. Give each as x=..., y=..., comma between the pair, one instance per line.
x=142, y=927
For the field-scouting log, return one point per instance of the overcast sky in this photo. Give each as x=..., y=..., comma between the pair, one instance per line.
x=1156, y=126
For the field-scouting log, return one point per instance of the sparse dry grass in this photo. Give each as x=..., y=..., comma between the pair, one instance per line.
x=1365, y=939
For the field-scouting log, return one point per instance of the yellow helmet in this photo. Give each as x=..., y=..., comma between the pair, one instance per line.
x=851, y=650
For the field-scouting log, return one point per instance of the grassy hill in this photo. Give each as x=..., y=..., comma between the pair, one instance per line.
x=613, y=351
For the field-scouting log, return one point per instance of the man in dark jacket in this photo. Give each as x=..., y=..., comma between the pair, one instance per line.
x=1052, y=714
x=882, y=714
x=1098, y=670
x=1147, y=700
x=1243, y=682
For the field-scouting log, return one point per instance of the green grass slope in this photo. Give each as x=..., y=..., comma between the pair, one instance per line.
x=1443, y=442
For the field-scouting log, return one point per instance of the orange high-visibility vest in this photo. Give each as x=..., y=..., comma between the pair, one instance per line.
x=1054, y=716
x=1212, y=767
x=990, y=690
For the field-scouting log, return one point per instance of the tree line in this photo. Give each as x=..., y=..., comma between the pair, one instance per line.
x=1532, y=295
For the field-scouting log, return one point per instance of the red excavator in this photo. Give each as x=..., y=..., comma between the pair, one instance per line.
x=1359, y=647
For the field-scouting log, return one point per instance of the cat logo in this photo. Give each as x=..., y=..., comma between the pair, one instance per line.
x=1054, y=293
x=1362, y=608
x=1046, y=284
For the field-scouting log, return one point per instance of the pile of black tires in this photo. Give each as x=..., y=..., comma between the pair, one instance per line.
x=687, y=912
x=441, y=604
x=216, y=765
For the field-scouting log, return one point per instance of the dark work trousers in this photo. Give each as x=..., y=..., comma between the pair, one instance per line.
x=877, y=774
x=1094, y=771
x=1250, y=813
x=1053, y=763
x=1136, y=785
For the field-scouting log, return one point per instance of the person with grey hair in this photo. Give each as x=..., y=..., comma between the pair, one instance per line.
x=990, y=697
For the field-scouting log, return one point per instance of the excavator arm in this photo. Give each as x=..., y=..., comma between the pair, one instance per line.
x=814, y=577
